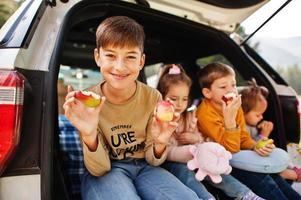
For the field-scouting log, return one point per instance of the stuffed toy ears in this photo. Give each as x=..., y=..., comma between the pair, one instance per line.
x=192, y=165
x=229, y=170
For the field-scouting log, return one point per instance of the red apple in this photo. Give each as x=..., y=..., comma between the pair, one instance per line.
x=165, y=111
x=89, y=98
x=229, y=97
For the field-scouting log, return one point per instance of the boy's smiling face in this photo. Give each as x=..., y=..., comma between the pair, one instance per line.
x=219, y=88
x=120, y=66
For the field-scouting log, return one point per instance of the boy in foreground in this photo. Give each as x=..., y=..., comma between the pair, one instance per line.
x=122, y=141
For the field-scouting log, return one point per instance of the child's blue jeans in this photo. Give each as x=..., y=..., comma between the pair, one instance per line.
x=229, y=185
x=134, y=179
x=267, y=186
x=187, y=177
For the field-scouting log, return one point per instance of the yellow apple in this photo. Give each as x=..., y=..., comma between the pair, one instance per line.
x=90, y=99
x=164, y=111
x=263, y=142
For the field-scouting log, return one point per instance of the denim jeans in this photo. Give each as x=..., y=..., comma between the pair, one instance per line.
x=187, y=177
x=267, y=186
x=229, y=185
x=134, y=179
x=285, y=187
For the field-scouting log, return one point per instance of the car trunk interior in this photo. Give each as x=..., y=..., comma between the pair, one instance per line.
x=169, y=39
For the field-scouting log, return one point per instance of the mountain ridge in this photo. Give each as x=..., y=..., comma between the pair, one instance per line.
x=280, y=52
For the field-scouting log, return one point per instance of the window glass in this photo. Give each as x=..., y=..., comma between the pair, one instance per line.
x=279, y=42
x=152, y=73
x=201, y=62
x=79, y=78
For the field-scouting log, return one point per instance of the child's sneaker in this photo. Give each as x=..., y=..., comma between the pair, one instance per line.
x=252, y=196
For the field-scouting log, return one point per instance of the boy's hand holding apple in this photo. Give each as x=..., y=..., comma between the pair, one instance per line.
x=231, y=102
x=82, y=110
x=164, y=121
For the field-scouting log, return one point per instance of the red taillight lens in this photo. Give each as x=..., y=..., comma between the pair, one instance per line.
x=11, y=105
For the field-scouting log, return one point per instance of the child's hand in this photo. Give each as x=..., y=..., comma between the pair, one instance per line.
x=266, y=150
x=266, y=128
x=230, y=111
x=188, y=138
x=192, y=119
x=84, y=118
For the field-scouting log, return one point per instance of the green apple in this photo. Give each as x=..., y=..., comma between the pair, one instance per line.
x=263, y=142
x=90, y=99
x=164, y=111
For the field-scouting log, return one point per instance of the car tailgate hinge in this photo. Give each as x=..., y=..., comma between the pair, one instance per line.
x=52, y=3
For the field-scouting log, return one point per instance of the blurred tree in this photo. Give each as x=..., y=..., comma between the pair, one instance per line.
x=291, y=75
x=7, y=8
x=241, y=31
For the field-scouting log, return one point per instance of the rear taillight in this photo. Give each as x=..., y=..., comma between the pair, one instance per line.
x=11, y=106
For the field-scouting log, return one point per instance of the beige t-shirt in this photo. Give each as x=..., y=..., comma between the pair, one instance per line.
x=124, y=131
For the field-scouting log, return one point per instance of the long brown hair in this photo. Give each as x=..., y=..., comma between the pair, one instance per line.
x=167, y=79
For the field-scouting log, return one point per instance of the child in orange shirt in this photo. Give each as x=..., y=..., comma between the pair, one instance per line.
x=224, y=123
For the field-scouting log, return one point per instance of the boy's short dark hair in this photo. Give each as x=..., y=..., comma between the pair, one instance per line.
x=120, y=31
x=213, y=71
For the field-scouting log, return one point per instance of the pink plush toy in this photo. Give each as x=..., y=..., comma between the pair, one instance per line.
x=210, y=158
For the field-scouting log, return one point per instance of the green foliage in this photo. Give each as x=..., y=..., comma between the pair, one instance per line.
x=241, y=31
x=210, y=59
x=292, y=75
x=7, y=8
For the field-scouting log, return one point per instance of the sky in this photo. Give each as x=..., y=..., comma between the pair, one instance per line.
x=285, y=24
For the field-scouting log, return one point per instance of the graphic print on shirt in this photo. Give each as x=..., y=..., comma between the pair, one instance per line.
x=124, y=142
